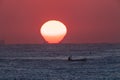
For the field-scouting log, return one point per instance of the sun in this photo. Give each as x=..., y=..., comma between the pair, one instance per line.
x=53, y=31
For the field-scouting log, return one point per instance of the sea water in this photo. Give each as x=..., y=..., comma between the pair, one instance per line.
x=50, y=62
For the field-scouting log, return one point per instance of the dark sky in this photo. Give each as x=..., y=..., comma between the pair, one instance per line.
x=87, y=21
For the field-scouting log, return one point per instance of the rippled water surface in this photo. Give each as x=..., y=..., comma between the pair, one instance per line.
x=49, y=62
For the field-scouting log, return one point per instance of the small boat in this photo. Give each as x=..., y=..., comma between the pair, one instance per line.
x=82, y=59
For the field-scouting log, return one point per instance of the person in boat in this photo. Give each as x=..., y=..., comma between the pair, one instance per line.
x=69, y=58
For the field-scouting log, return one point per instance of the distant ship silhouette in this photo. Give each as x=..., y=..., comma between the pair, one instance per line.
x=82, y=59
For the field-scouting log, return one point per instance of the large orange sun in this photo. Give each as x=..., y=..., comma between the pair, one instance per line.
x=53, y=31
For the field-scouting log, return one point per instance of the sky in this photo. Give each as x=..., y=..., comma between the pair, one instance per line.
x=87, y=21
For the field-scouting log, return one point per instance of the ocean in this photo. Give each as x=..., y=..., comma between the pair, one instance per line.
x=50, y=62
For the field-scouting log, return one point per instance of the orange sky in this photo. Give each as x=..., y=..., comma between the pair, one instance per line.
x=88, y=21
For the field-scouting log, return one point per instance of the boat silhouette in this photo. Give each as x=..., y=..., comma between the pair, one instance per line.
x=82, y=59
